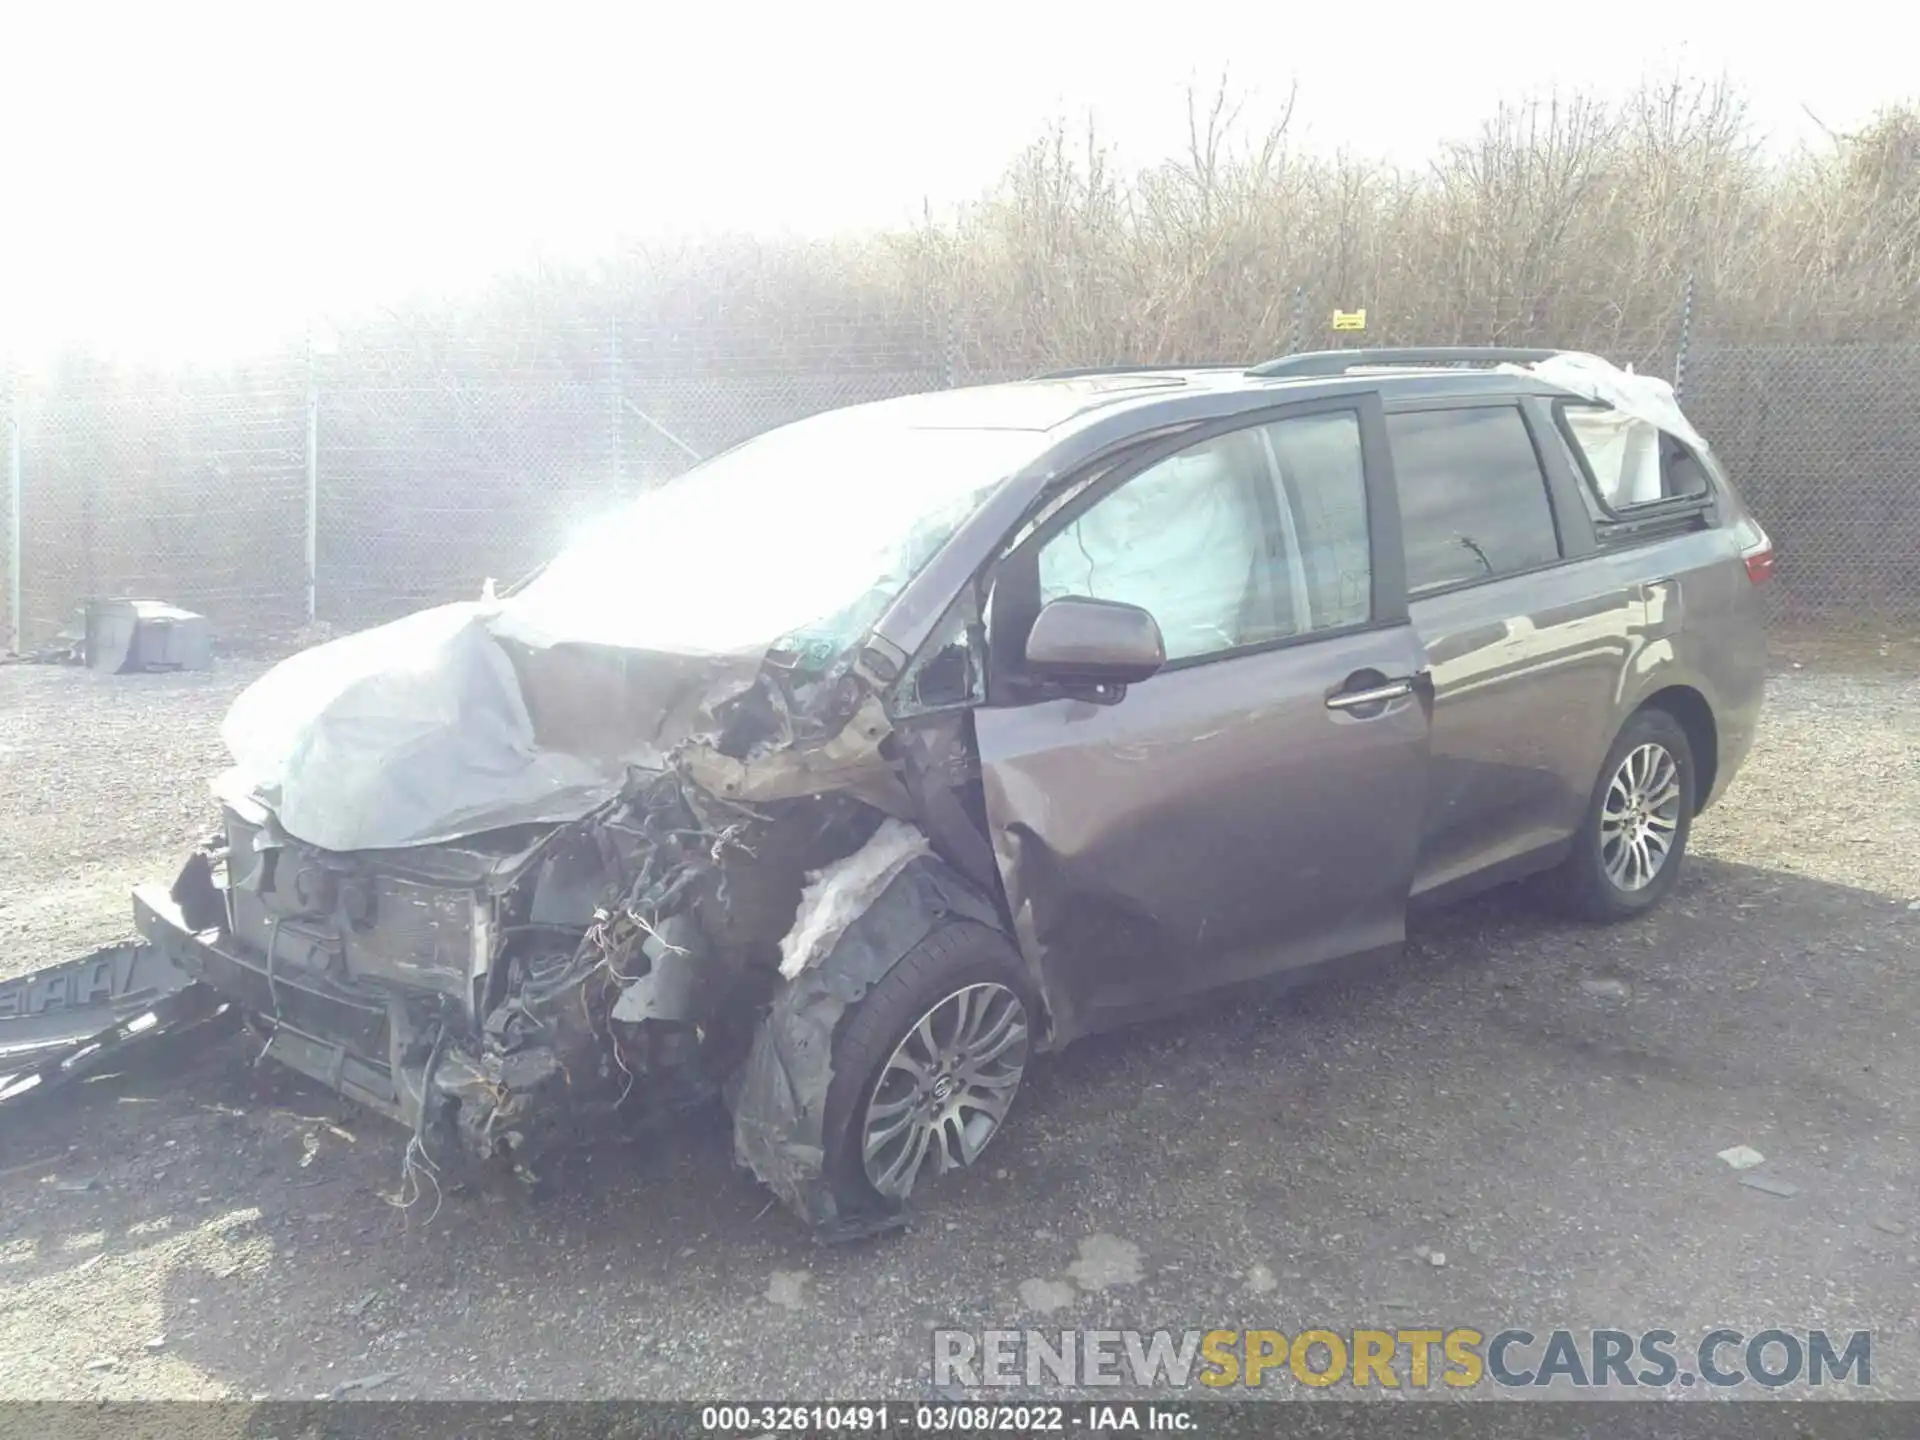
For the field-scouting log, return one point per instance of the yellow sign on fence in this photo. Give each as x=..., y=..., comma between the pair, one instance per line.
x=1349, y=319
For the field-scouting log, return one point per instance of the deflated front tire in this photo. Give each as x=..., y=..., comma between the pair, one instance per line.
x=926, y=1066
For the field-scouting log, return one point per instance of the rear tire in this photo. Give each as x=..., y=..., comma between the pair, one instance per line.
x=1632, y=841
x=926, y=1066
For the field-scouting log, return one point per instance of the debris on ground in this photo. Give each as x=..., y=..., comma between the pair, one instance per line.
x=365, y=1382
x=788, y=1288
x=1105, y=1261
x=1767, y=1185
x=1607, y=989
x=1887, y=1225
x=1742, y=1157
x=124, y=636
x=1043, y=1297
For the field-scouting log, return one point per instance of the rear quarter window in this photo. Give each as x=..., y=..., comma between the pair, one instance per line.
x=1628, y=464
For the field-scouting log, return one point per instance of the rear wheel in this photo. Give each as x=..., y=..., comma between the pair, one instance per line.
x=926, y=1067
x=1628, y=852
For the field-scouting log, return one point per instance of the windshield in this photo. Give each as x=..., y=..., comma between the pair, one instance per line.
x=801, y=536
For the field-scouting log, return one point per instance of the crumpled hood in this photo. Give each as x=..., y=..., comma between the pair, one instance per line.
x=458, y=720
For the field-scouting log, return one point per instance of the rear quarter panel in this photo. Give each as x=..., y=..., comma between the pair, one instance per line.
x=1704, y=629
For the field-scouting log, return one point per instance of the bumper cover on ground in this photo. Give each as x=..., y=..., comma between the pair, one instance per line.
x=78, y=1019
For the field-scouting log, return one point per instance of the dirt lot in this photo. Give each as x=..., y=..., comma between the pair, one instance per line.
x=1540, y=1104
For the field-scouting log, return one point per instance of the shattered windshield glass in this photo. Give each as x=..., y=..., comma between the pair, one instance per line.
x=802, y=536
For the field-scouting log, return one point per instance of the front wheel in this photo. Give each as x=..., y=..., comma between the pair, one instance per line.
x=1630, y=845
x=927, y=1066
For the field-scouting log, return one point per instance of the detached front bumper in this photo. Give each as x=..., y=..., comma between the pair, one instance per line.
x=341, y=1039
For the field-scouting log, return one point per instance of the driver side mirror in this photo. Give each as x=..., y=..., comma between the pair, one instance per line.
x=1079, y=641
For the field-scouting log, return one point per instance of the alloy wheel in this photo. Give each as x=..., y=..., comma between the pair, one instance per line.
x=1640, y=817
x=945, y=1088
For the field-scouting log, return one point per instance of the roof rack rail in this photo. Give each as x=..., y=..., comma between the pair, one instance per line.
x=1338, y=362
x=1089, y=371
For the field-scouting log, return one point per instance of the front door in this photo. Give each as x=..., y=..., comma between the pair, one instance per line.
x=1256, y=804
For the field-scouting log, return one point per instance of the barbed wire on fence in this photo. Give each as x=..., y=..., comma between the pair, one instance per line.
x=416, y=464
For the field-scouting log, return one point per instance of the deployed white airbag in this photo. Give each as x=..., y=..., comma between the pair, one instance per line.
x=1622, y=445
x=838, y=894
x=1180, y=540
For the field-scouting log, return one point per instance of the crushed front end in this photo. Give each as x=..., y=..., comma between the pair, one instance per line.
x=508, y=994
x=519, y=870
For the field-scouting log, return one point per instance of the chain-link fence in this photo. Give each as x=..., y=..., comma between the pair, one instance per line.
x=369, y=478
x=355, y=484
x=426, y=487
x=186, y=487
x=1824, y=443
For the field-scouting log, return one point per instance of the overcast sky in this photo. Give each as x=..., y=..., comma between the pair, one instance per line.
x=187, y=180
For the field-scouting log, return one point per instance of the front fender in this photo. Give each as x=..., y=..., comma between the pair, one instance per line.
x=779, y=1096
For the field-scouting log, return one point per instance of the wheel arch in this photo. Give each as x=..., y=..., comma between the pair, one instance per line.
x=1692, y=711
x=779, y=1097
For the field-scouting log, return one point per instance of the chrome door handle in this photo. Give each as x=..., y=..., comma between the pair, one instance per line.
x=1378, y=695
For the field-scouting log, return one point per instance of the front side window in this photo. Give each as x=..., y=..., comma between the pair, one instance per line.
x=1250, y=537
x=1473, y=499
x=1324, y=485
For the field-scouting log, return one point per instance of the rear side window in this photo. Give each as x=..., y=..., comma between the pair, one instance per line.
x=1473, y=499
x=1629, y=462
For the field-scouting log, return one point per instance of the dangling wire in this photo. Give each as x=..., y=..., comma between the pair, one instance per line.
x=417, y=1168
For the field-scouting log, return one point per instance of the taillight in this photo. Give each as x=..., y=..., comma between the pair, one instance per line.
x=1758, y=553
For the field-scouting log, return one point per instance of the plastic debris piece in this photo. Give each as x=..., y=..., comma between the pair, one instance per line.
x=365, y=1382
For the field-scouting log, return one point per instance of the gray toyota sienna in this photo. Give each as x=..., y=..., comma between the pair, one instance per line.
x=835, y=779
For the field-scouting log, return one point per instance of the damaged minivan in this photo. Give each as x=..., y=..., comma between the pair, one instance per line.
x=841, y=776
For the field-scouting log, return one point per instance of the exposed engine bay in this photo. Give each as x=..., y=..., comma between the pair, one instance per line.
x=528, y=993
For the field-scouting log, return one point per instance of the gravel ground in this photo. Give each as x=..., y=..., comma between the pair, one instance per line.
x=1541, y=1104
